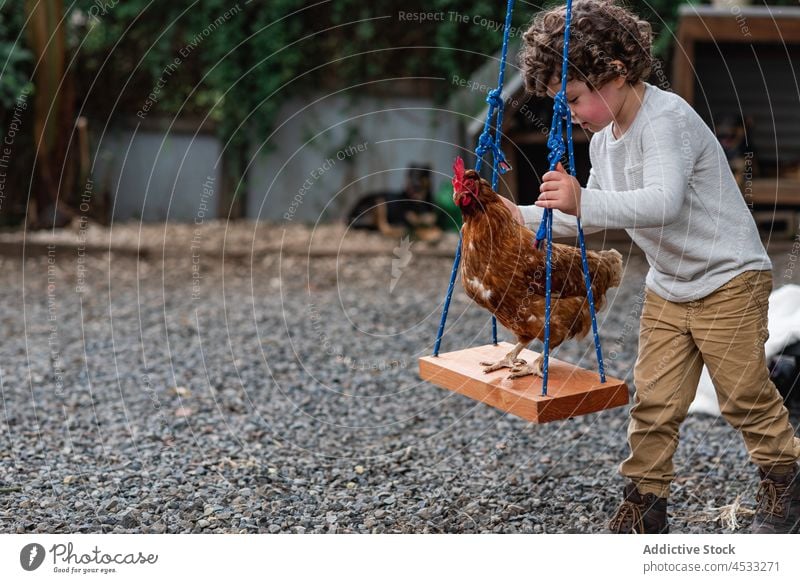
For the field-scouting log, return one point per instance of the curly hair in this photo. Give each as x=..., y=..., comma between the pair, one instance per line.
x=600, y=33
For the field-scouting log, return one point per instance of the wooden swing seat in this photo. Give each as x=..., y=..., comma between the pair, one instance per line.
x=571, y=391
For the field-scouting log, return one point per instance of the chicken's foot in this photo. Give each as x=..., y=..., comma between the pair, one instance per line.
x=510, y=360
x=519, y=366
x=537, y=368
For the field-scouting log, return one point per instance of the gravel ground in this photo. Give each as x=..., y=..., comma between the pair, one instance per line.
x=280, y=394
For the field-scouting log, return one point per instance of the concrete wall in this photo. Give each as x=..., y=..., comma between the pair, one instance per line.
x=324, y=153
x=155, y=176
x=327, y=154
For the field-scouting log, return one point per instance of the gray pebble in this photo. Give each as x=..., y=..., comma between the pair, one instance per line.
x=284, y=435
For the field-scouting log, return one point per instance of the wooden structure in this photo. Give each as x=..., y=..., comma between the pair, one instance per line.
x=742, y=61
x=572, y=391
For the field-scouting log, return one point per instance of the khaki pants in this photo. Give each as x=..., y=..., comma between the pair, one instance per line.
x=726, y=330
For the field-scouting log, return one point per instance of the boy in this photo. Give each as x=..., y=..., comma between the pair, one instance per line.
x=658, y=172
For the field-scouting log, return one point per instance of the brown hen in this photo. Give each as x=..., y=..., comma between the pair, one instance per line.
x=502, y=271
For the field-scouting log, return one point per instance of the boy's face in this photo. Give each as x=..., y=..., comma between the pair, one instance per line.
x=592, y=110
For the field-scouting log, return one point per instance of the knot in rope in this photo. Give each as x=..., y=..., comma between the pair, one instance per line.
x=555, y=140
x=494, y=98
x=487, y=143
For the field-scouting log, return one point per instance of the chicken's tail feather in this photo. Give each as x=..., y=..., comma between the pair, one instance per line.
x=612, y=261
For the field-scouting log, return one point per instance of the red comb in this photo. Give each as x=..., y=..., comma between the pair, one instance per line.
x=458, y=174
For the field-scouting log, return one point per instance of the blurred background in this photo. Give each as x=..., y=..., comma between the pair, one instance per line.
x=289, y=111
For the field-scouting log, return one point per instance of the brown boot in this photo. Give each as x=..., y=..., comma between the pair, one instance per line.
x=640, y=514
x=778, y=497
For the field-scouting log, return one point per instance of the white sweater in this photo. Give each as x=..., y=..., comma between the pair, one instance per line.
x=667, y=182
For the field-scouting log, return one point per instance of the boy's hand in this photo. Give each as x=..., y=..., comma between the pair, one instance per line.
x=560, y=190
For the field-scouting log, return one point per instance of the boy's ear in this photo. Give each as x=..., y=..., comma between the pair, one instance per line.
x=621, y=70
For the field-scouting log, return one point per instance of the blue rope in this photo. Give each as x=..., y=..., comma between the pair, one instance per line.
x=597, y=348
x=486, y=143
x=555, y=143
x=447, y=298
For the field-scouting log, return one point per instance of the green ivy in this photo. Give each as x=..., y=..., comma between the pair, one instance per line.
x=16, y=61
